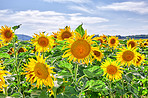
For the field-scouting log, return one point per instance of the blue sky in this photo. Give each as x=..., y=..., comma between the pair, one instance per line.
x=109, y=17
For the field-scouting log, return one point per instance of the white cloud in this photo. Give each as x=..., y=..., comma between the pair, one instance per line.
x=139, y=7
x=81, y=8
x=34, y=21
x=65, y=1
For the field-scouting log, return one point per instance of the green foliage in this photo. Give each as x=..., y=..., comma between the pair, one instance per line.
x=72, y=80
x=80, y=30
x=4, y=55
x=16, y=27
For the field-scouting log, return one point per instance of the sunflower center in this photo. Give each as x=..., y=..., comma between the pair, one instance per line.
x=111, y=69
x=128, y=55
x=66, y=34
x=96, y=53
x=80, y=49
x=8, y=34
x=43, y=41
x=41, y=71
x=20, y=50
x=112, y=41
x=145, y=44
x=139, y=59
x=101, y=41
x=132, y=44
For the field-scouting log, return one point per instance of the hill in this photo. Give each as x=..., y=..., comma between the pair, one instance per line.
x=23, y=37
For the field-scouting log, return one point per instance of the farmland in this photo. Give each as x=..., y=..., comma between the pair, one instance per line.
x=72, y=64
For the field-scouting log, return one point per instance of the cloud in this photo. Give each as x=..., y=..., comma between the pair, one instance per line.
x=34, y=21
x=81, y=8
x=138, y=7
x=65, y=1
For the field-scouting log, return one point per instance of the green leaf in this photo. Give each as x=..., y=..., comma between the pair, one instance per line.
x=64, y=64
x=95, y=86
x=16, y=95
x=64, y=73
x=94, y=71
x=4, y=55
x=16, y=27
x=80, y=30
x=43, y=94
x=2, y=96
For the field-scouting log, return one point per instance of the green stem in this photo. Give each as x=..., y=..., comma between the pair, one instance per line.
x=76, y=70
x=110, y=86
x=123, y=87
x=16, y=67
x=82, y=91
x=81, y=78
x=5, y=91
x=55, y=95
x=43, y=54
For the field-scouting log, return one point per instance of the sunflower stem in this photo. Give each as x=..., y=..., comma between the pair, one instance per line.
x=43, y=54
x=110, y=86
x=16, y=67
x=5, y=91
x=55, y=95
x=81, y=78
x=76, y=70
x=123, y=87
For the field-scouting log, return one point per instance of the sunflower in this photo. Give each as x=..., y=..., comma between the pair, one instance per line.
x=127, y=56
x=140, y=58
x=103, y=36
x=97, y=53
x=145, y=44
x=131, y=43
x=79, y=48
x=2, y=80
x=22, y=50
x=55, y=35
x=99, y=39
x=1, y=45
x=65, y=33
x=38, y=70
x=11, y=51
x=113, y=41
x=112, y=69
x=6, y=34
x=42, y=42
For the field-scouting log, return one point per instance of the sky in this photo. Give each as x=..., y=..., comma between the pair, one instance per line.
x=109, y=17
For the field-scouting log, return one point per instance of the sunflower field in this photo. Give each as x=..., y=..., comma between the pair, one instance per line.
x=71, y=64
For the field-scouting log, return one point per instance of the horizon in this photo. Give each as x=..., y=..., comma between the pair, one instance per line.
x=96, y=34
x=109, y=17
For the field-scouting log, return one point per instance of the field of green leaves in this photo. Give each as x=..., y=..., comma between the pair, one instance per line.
x=71, y=64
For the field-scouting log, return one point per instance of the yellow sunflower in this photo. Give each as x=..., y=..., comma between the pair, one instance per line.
x=79, y=48
x=6, y=34
x=140, y=58
x=131, y=43
x=42, y=42
x=11, y=51
x=38, y=70
x=99, y=39
x=112, y=69
x=2, y=80
x=1, y=45
x=65, y=33
x=22, y=50
x=103, y=36
x=145, y=44
x=55, y=35
x=113, y=41
x=97, y=53
x=127, y=56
